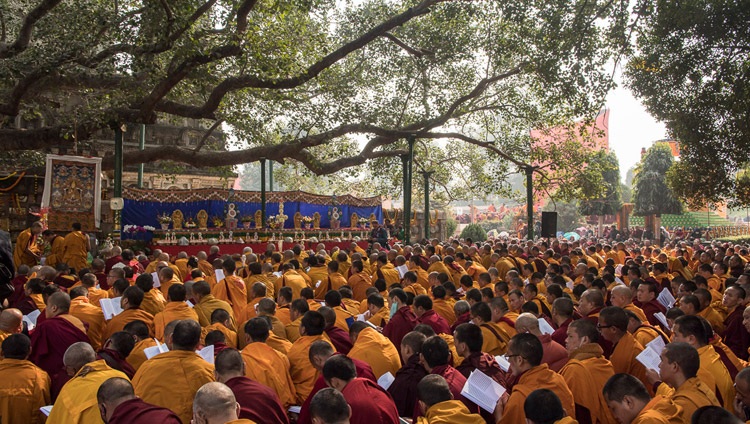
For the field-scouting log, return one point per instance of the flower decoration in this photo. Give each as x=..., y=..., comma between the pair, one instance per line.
x=164, y=218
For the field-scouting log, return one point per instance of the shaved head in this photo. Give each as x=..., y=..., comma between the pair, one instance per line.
x=78, y=355
x=215, y=402
x=527, y=322
x=10, y=320
x=115, y=390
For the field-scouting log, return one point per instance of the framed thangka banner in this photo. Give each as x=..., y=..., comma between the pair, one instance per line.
x=73, y=192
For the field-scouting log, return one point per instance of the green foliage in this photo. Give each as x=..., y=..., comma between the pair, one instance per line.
x=568, y=215
x=450, y=226
x=627, y=193
x=600, y=195
x=474, y=232
x=651, y=194
x=691, y=72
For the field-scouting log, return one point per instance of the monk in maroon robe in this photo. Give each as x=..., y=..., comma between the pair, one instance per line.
x=115, y=396
x=735, y=334
x=402, y=322
x=258, y=402
x=52, y=337
x=363, y=370
x=369, y=403
x=116, y=350
x=426, y=315
x=461, y=319
x=19, y=284
x=340, y=339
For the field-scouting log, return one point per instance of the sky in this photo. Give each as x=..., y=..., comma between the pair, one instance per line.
x=630, y=127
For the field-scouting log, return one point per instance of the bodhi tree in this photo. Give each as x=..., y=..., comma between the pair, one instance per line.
x=651, y=195
x=321, y=84
x=691, y=69
x=606, y=166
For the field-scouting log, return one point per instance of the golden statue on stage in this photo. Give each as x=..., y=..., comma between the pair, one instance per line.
x=316, y=220
x=202, y=218
x=177, y=218
x=297, y=221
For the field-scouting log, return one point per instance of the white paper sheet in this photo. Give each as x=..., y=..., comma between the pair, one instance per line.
x=46, y=410
x=189, y=303
x=31, y=318
x=502, y=360
x=569, y=285
x=482, y=390
x=386, y=380
x=157, y=282
x=207, y=353
x=219, y=274
x=295, y=409
x=544, y=327
x=656, y=344
x=666, y=298
x=403, y=269
x=662, y=319
x=152, y=351
x=650, y=359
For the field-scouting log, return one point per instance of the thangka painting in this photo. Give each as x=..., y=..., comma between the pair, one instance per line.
x=72, y=192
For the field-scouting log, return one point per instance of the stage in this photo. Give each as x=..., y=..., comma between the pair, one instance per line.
x=258, y=247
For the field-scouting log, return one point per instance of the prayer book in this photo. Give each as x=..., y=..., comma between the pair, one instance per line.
x=666, y=298
x=219, y=275
x=386, y=380
x=31, y=318
x=482, y=390
x=650, y=359
x=110, y=307
x=502, y=360
x=544, y=327
x=662, y=319
x=152, y=351
x=46, y=410
x=157, y=282
x=207, y=353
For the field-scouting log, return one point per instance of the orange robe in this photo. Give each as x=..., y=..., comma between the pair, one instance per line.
x=623, y=359
x=281, y=345
x=164, y=287
x=450, y=412
x=723, y=384
x=270, y=368
x=494, y=339
x=249, y=311
x=637, y=311
x=376, y=350
x=539, y=377
x=388, y=273
x=381, y=317
x=659, y=410
x=171, y=379
x=337, y=280
x=586, y=373
x=320, y=283
x=119, y=321
x=229, y=335
x=57, y=249
x=95, y=295
x=20, y=255
x=359, y=283
x=77, y=400
x=341, y=316
x=292, y=330
x=137, y=357
x=153, y=302
x=260, y=278
x=713, y=318
x=76, y=251
x=207, y=305
x=24, y=388
x=302, y=372
x=91, y=315
x=172, y=311
x=692, y=395
x=291, y=279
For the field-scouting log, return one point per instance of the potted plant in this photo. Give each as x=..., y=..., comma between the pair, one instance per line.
x=164, y=220
x=218, y=222
x=307, y=222
x=247, y=221
x=363, y=222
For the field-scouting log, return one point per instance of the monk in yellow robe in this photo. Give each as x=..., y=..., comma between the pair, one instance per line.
x=373, y=348
x=318, y=274
x=220, y=321
x=167, y=277
x=386, y=271
x=153, y=300
x=291, y=278
x=630, y=402
x=495, y=339
x=89, y=314
x=131, y=304
x=302, y=372
x=265, y=364
x=143, y=341
x=176, y=309
x=26, y=251
x=11, y=322
x=77, y=246
x=678, y=369
x=24, y=387
x=359, y=281
x=525, y=353
x=586, y=372
x=438, y=406
x=256, y=275
x=207, y=304
x=171, y=379
x=56, y=248
x=622, y=296
x=613, y=325
x=77, y=402
x=94, y=294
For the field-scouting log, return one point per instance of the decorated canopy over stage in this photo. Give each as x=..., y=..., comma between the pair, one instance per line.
x=216, y=208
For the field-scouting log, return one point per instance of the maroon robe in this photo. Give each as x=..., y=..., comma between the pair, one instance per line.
x=101, y=277
x=18, y=290
x=65, y=281
x=561, y=333
x=109, y=263
x=461, y=319
x=439, y=324
x=487, y=364
x=258, y=402
x=49, y=341
x=26, y=305
x=364, y=370
x=735, y=334
x=369, y=402
x=115, y=360
x=402, y=322
x=137, y=411
x=340, y=339
x=652, y=307
x=404, y=387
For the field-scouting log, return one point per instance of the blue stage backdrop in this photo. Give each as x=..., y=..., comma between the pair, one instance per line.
x=142, y=207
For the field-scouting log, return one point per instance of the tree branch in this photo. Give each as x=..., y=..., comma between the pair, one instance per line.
x=24, y=35
x=207, y=134
x=206, y=111
x=411, y=50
